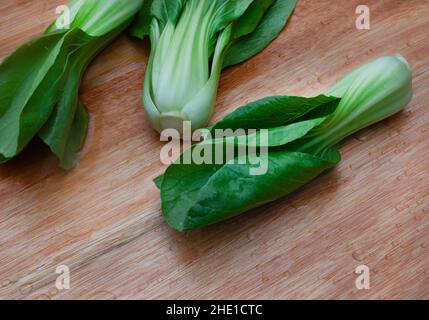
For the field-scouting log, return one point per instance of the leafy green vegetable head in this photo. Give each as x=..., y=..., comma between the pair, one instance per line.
x=181, y=85
x=302, y=137
x=191, y=44
x=39, y=82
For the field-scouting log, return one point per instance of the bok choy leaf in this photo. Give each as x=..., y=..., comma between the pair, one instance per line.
x=39, y=82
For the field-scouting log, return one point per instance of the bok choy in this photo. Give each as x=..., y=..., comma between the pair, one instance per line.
x=39, y=82
x=303, y=134
x=192, y=41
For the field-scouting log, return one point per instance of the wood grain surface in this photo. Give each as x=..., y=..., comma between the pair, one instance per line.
x=103, y=219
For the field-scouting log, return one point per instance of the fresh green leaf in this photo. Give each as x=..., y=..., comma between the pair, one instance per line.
x=140, y=28
x=167, y=10
x=198, y=195
x=277, y=136
x=276, y=111
x=57, y=129
x=250, y=20
x=23, y=87
x=269, y=28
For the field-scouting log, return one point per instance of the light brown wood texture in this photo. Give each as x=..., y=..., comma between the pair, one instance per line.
x=103, y=219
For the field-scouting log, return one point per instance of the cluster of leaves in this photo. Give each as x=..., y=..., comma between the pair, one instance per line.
x=39, y=82
x=194, y=195
x=192, y=41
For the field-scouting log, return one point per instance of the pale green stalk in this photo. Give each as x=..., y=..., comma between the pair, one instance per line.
x=369, y=94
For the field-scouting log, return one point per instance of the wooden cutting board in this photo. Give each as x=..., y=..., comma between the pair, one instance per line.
x=103, y=219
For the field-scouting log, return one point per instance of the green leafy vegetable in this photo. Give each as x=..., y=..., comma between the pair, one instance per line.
x=39, y=82
x=303, y=134
x=192, y=41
